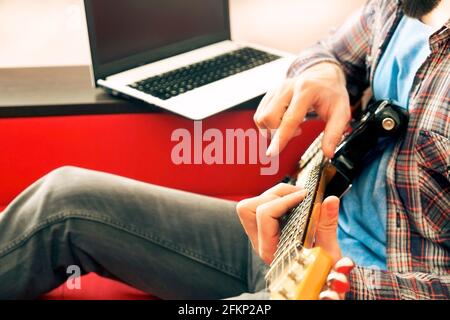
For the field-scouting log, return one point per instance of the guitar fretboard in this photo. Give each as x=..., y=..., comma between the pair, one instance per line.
x=295, y=223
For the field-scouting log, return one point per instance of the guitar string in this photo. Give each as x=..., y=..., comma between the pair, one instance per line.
x=296, y=220
x=283, y=252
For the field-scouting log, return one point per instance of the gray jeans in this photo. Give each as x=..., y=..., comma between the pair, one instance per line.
x=173, y=244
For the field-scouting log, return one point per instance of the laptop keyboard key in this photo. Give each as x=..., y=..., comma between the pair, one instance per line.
x=179, y=81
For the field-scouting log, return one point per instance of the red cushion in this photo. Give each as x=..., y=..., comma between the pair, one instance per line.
x=137, y=146
x=94, y=287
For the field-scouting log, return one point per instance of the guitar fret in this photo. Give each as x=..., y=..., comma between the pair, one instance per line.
x=279, y=267
x=296, y=222
x=299, y=216
x=298, y=212
x=313, y=149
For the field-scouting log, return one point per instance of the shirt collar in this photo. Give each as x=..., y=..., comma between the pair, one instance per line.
x=440, y=37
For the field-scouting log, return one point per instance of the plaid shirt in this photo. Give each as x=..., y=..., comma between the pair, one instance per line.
x=418, y=179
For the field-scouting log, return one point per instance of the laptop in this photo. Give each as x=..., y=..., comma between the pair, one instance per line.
x=178, y=55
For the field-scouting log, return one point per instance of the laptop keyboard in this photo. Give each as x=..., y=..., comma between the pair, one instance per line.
x=179, y=81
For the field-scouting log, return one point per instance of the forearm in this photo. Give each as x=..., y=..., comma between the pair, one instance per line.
x=372, y=284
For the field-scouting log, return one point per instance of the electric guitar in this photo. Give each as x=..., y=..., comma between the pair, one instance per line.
x=299, y=269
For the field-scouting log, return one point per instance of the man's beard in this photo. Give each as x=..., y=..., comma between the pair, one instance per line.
x=418, y=8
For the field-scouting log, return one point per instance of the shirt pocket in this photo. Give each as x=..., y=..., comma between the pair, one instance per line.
x=433, y=153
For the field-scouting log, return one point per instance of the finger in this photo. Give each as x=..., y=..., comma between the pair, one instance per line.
x=282, y=189
x=302, y=177
x=247, y=216
x=289, y=126
x=251, y=229
x=337, y=123
x=264, y=101
x=267, y=218
x=326, y=234
x=270, y=117
x=262, y=112
x=246, y=210
x=329, y=295
x=338, y=282
x=297, y=132
x=248, y=206
x=262, y=105
x=301, y=183
x=345, y=265
x=328, y=217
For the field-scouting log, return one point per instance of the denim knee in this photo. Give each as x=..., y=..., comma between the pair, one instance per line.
x=64, y=189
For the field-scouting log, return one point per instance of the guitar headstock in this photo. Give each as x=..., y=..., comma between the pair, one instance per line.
x=303, y=278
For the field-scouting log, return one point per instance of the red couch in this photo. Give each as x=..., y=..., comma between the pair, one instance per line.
x=133, y=145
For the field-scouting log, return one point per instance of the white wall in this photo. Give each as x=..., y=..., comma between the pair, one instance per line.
x=42, y=32
x=53, y=32
x=290, y=25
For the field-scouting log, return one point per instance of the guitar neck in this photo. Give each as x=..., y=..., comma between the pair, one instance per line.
x=295, y=224
x=298, y=228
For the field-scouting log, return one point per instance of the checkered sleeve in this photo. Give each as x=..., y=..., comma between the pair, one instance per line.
x=349, y=47
x=372, y=284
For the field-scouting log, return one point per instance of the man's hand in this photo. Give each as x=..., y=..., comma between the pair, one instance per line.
x=260, y=218
x=261, y=215
x=322, y=87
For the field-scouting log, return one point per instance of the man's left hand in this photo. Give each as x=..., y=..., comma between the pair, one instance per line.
x=260, y=218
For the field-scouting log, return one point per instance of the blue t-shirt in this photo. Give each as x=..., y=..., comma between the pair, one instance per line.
x=362, y=216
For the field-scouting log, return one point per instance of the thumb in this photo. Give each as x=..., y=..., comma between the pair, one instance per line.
x=326, y=234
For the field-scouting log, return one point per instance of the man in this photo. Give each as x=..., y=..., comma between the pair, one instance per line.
x=395, y=220
x=394, y=223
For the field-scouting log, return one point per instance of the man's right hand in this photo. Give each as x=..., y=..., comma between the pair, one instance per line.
x=322, y=87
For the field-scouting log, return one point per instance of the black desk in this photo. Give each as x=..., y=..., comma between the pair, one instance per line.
x=52, y=91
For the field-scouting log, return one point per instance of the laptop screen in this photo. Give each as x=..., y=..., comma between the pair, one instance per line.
x=127, y=34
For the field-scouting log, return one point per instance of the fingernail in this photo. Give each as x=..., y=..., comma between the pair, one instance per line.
x=269, y=151
x=298, y=132
x=329, y=295
x=273, y=132
x=345, y=265
x=338, y=282
x=329, y=154
x=263, y=133
x=274, y=148
x=332, y=150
